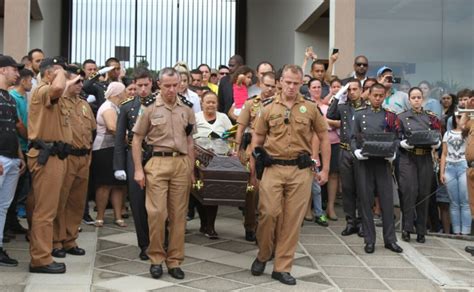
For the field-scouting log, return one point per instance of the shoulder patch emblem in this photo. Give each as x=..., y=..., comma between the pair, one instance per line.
x=185, y=101
x=149, y=100
x=303, y=109
x=127, y=100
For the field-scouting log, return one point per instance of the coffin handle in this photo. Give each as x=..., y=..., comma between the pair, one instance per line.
x=198, y=184
x=250, y=188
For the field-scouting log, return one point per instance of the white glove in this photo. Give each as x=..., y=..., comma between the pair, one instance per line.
x=405, y=145
x=105, y=70
x=436, y=146
x=120, y=175
x=90, y=98
x=359, y=155
x=342, y=92
x=391, y=159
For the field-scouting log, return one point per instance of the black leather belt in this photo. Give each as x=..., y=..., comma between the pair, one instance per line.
x=167, y=154
x=418, y=151
x=285, y=162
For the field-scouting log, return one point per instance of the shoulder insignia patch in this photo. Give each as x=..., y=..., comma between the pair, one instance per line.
x=184, y=100
x=362, y=107
x=127, y=100
x=308, y=99
x=149, y=100
x=268, y=101
x=252, y=97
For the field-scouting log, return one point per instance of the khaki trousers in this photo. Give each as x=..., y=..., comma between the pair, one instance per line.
x=71, y=202
x=47, y=181
x=251, y=198
x=168, y=182
x=284, y=195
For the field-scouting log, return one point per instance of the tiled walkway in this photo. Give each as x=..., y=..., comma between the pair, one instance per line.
x=325, y=261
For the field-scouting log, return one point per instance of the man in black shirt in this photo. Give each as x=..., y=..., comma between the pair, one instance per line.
x=11, y=157
x=225, y=92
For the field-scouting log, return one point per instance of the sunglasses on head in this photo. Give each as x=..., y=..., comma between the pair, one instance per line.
x=362, y=64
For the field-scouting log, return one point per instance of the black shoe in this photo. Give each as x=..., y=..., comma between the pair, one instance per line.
x=250, y=236
x=87, y=219
x=349, y=230
x=369, y=247
x=76, y=251
x=58, y=253
x=469, y=249
x=156, y=271
x=284, y=278
x=211, y=235
x=52, y=268
x=420, y=238
x=406, y=236
x=257, y=267
x=360, y=231
x=176, y=273
x=5, y=260
x=394, y=247
x=17, y=228
x=143, y=255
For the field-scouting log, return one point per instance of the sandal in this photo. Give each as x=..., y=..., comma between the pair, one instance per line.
x=120, y=223
x=99, y=223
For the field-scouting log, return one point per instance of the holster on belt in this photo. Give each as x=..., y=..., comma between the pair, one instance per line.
x=304, y=161
x=59, y=149
x=147, y=153
x=262, y=160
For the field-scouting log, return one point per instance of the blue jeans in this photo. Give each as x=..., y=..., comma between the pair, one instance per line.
x=460, y=212
x=316, y=195
x=8, y=182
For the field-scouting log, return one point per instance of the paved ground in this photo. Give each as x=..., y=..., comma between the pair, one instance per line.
x=325, y=261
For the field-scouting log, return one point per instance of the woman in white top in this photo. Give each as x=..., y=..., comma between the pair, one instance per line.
x=453, y=168
x=188, y=93
x=207, y=121
x=102, y=156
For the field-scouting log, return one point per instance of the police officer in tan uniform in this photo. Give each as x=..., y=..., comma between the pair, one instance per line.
x=74, y=189
x=246, y=121
x=49, y=132
x=285, y=128
x=168, y=125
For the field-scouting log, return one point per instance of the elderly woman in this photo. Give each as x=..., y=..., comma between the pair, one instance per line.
x=102, y=156
x=208, y=121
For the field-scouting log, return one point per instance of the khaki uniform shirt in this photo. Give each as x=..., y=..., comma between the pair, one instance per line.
x=82, y=122
x=470, y=143
x=289, y=131
x=249, y=112
x=164, y=126
x=48, y=120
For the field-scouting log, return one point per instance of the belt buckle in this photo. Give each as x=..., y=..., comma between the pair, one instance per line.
x=175, y=154
x=419, y=151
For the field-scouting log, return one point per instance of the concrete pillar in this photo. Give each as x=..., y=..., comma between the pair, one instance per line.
x=342, y=35
x=16, y=28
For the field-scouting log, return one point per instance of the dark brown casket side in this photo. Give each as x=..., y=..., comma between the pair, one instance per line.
x=222, y=179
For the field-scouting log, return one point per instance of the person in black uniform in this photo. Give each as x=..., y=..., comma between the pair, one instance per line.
x=374, y=174
x=415, y=166
x=123, y=163
x=343, y=110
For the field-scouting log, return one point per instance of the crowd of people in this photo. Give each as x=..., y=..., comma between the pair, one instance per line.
x=71, y=134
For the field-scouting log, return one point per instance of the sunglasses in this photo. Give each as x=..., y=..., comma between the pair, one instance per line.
x=224, y=73
x=362, y=64
x=287, y=116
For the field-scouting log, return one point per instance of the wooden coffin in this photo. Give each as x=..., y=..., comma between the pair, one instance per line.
x=220, y=178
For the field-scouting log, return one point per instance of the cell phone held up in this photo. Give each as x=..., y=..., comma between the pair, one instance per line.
x=335, y=51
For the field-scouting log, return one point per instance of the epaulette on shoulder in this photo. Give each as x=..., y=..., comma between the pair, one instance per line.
x=149, y=100
x=185, y=101
x=308, y=99
x=268, y=101
x=127, y=100
x=252, y=97
x=430, y=113
x=362, y=107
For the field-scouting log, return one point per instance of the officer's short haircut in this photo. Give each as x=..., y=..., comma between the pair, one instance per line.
x=268, y=75
x=110, y=60
x=376, y=86
x=223, y=67
x=413, y=89
x=140, y=73
x=88, y=61
x=195, y=72
x=264, y=63
x=31, y=52
x=464, y=92
x=168, y=71
x=295, y=69
x=24, y=73
x=355, y=80
x=238, y=59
